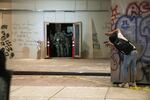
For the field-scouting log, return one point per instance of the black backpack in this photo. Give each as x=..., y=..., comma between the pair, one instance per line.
x=123, y=46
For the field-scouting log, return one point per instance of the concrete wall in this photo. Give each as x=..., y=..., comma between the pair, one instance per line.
x=5, y=4
x=133, y=17
x=28, y=26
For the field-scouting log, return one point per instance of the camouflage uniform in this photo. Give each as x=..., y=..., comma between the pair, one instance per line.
x=57, y=43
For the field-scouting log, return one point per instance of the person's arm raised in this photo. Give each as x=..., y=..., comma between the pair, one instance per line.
x=111, y=32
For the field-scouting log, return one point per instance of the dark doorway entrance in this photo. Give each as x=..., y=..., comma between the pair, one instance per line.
x=59, y=37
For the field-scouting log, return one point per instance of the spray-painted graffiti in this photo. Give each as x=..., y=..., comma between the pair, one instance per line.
x=114, y=16
x=5, y=42
x=144, y=30
x=128, y=25
x=135, y=23
x=137, y=28
x=135, y=9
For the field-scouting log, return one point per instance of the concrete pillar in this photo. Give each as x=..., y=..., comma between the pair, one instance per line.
x=133, y=18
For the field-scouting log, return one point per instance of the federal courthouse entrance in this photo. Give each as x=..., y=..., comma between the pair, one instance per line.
x=63, y=39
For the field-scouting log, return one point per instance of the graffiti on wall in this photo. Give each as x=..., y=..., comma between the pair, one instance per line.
x=23, y=33
x=114, y=16
x=135, y=23
x=6, y=44
x=138, y=9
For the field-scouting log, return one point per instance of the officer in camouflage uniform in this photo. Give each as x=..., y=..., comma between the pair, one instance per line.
x=67, y=43
x=62, y=44
x=57, y=42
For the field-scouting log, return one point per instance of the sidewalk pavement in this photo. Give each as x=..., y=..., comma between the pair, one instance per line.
x=58, y=91
x=60, y=65
x=76, y=93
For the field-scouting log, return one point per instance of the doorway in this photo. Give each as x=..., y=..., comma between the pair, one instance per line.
x=59, y=37
x=63, y=40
